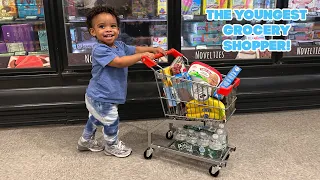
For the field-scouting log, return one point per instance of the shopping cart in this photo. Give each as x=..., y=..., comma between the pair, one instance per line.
x=185, y=102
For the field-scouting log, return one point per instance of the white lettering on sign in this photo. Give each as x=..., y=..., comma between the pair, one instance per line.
x=88, y=58
x=308, y=51
x=205, y=55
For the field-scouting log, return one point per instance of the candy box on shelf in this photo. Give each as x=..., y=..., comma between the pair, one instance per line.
x=30, y=10
x=8, y=8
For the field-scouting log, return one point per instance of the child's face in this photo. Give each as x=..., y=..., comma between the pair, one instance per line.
x=105, y=28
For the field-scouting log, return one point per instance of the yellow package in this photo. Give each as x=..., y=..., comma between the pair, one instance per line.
x=237, y=4
x=206, y=115
x=212, y=107
x=166, y=80
x=210, y=4
x=162, y=7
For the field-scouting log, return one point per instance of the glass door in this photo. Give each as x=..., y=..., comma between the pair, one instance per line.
x=305, y=35
x=23, y=35
x=202, y=39
x=142, y=22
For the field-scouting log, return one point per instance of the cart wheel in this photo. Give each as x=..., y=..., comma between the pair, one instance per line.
x=234, y=149
x=169, y=134
x=148, y=153
x=213, y=171
x=227, y=156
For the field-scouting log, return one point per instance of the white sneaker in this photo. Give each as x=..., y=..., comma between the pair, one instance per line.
x=118, y=150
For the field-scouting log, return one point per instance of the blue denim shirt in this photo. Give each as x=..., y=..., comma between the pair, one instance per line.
x=109, y=84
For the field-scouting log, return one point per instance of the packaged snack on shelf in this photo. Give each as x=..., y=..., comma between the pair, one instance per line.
x=3, y=48
x=258, y=4
x=228, y=80
x=301, y=27
x=309, y=4
x=316, y=34
x=186, y=6
x=43, y=40
x=204, y=39
x=240, y=4
x=8, y=8
x=301, y=35
x=15, y=47
x=160, y=42
x=162, y=7
x=143, y=8
x=158, y=30
x=30, y=10
x=26, y=2
x=19, y=33
x=210, y=4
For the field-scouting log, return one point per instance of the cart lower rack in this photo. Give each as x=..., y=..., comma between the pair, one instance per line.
x=196, y=120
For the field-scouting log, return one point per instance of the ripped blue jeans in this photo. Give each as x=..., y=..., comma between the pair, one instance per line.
x=102, y=114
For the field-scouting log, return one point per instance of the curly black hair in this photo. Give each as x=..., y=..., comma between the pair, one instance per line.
x=98, y=10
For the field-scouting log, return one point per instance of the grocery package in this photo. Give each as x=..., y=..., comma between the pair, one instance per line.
x=162, y=7
x=241, y=4
x=202, y=72
x=143, y=8
x=8, y=8
x=199, y=141
x=190, y=7
x=211, y=108
x=227, y=81
x=32, y=8
x=19, y=33
x=311, y=5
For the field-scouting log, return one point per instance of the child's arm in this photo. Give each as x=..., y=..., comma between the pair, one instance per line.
x=125, y=61
x=142, y=49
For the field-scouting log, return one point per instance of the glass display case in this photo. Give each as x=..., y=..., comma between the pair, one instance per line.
x=305, y=35
x=23, y=35
x=142, y=22
x=202, y=39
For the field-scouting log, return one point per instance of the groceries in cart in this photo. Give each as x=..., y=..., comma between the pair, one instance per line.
x=199, y=140
x=193, y=91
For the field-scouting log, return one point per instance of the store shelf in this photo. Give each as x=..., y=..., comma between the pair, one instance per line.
x=23, y=21
x=122, y=20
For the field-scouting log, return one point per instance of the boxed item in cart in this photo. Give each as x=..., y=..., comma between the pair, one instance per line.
x=228, y=80
x=30, y=10
x=204, y=39
x=19, y=33
x=162, y=7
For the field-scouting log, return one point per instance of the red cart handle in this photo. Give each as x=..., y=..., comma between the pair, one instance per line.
x=150, y=63
x=227, y=91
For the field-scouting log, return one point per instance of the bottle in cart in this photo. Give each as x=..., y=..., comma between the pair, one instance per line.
x=223, y=136
x=215, y=147
x=203, y=144
x=180, y=139
x=192, y=141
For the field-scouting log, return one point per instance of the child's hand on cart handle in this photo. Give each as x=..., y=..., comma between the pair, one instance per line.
x=149, y=55
x=159, y=50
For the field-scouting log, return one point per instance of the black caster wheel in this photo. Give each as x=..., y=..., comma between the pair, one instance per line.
x=169, y=134
x=214, y=173
x=148, y=153
x=234, y=149
x=227, y=156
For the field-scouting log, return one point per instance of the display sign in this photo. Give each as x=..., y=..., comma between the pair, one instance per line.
x=304, y=51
